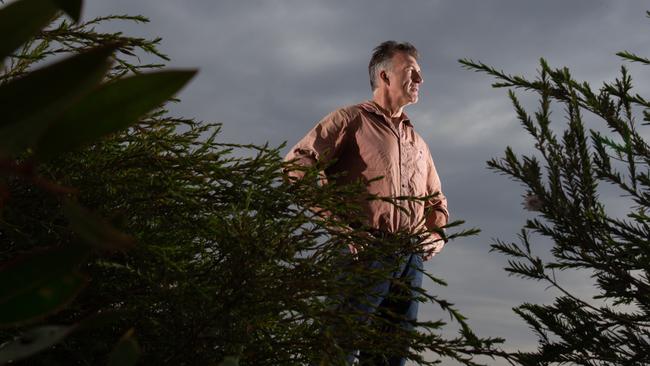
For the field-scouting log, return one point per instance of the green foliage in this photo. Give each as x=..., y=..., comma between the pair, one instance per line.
x=48, y=279
x=71, y=7
x=48, y=110
x=613, y=328
x=226, y=263
x=112, y=107
x=30, y=106
x=20, y=20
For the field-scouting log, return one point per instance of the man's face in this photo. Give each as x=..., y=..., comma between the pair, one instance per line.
x=404, y=78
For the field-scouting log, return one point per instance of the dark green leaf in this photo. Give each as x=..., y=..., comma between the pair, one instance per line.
x=34, y=268
x=110, y=108
x=20, y=21
x=230, y=361
x=44, y=299
x=33, y=341
x=39, y=283
x=126, y=352
x=97, y=321
x=30, y=103
x=71, y=7
x=94, y=230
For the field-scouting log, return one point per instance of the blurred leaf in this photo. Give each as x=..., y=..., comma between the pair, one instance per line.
x=106, y=318
x=112, y=107
x=33, y=341
x=126, y=352
x=37, y=302
x=39, y=283
x=29, y=104
x=230, y=361
x=94, y=230
x=20, y=21
x=34, y=268
x=40, y=338
x=71, y=7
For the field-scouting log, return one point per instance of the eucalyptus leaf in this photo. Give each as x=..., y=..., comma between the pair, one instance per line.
x=229, y=361
x=36, y=267
x=126, y=352
x=110, y=108
x=29, y=104
x=48, y=280
x=37, y=302
x=20, y=21
x=33, y=341
x=71, y=7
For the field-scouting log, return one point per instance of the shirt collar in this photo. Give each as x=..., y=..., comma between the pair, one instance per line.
x=372, y=107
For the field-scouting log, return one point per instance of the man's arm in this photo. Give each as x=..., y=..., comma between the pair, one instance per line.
x=438, y=215
x=322, y=143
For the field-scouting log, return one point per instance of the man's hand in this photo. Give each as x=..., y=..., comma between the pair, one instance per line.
x=355, y=248
x=433, y=246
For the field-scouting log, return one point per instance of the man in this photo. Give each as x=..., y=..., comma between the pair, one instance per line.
x=376, y=138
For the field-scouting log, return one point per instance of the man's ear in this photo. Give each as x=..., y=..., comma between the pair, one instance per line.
x=384, y=76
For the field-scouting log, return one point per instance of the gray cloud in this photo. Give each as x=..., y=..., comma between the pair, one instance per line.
x=271, y=69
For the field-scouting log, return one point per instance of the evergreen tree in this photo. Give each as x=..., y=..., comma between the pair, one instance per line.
x=562, y=185
x=206, y=253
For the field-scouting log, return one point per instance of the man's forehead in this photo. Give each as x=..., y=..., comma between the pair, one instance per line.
x=406, y=59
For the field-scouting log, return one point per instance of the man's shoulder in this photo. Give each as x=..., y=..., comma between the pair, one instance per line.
x=344, y=115
x=350, y=111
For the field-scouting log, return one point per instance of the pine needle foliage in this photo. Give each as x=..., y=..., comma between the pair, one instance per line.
x=230, y=265
x=562, y=182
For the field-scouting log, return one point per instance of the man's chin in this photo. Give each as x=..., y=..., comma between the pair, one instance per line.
x=412, y=99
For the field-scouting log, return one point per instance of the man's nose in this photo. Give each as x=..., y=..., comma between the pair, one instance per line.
x=417, y=77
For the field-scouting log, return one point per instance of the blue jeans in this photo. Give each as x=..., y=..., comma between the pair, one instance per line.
x=385, y=295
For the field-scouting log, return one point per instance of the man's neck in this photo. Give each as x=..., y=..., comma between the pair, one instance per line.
x=389, y=107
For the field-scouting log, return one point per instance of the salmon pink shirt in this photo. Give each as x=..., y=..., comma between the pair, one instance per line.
x=364, y=144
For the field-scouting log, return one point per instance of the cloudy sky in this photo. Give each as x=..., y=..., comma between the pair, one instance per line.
x=269, y=70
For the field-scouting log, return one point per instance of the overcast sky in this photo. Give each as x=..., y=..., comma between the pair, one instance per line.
x=269, y=70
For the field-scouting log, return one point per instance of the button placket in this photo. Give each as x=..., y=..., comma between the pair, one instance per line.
x=402, y=172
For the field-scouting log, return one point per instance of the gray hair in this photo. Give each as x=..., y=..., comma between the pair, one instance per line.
x=382, y=55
